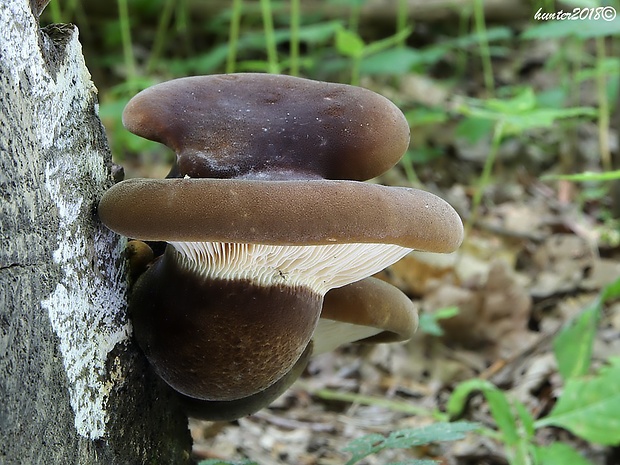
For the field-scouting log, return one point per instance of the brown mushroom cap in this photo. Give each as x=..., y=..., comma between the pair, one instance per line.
x=311, y=212
x=219, y=339
x=229, y=312
x=236, y=125
x=372, y=310
x=214, y=410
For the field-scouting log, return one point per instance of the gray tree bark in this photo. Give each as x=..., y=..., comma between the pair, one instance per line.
x=73, y=387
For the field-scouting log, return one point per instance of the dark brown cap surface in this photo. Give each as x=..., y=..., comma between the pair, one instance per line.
x=238, y=125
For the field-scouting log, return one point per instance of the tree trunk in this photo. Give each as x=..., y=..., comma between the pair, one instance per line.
x=73, y=387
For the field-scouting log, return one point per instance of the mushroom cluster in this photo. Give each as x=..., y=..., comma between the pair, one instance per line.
x=265, y=211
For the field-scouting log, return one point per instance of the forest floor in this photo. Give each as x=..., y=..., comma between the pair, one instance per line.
x=530, y=265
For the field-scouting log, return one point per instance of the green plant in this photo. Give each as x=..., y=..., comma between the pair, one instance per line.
x=483, y=44
x=395, y=405
x=224, y=462
x=510, y=117
x=598, y=186
x=588, y=406
x=582, y=30
x=587, y=176
x=294, y=41
x=233, y=36
x=371, y=444
x=429, y=320
x=130, y=62
x=407, y=438
x=350, y=44
x=270, y=40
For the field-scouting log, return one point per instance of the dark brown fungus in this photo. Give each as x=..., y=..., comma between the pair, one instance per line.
x=264, y=213
x=270, y=126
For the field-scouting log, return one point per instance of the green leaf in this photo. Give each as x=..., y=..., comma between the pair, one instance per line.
x=372, y=443
x=558, y=453
x=527, y=420
x=589, y=407
x=520, y=113
x=473, y=40
x=415, y=462
x=498, y=404
x=428, y=321
x=393, y=61
x=611, y=291
x=224, y=462
x=609, y=66
x=349, y=3
x=389, y=42
x=503, y=416
x=446, y=312
x=456, y=402
x=349, y=43
x=500, y=407
x=523, y=101
x=421, y=155
x=202, y=63
x=543, y=118
x=573, y=345
x=587, y=176
x=364, y=446
x=422, y=116
x=317, y=33
x=555, y=97
x=474, y=129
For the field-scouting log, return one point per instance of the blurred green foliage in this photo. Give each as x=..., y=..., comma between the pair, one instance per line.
x=141, y=42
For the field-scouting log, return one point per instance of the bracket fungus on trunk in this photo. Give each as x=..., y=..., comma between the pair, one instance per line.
x=265, y=212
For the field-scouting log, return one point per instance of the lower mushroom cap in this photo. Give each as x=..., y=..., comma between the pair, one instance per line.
x=218, y=339
x=233, y=409
x=367, y=311
x=280, y=212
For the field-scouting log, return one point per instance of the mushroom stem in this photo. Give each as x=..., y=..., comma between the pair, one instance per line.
x=216, y=338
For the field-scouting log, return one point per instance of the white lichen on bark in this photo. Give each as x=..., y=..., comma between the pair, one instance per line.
x=86, y=309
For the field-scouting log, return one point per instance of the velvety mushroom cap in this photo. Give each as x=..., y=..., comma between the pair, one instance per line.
x=237, y=125
x=231, y=410
x=367, y=311
x=280, y=213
